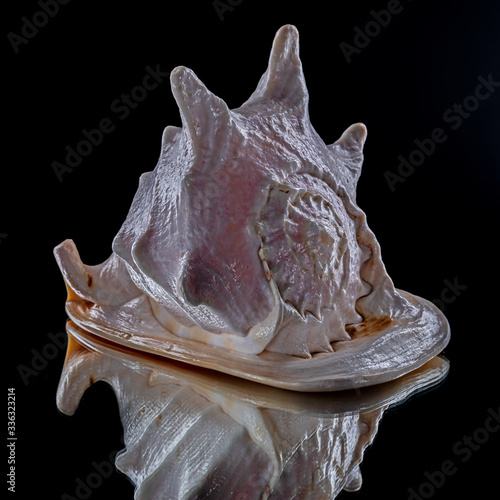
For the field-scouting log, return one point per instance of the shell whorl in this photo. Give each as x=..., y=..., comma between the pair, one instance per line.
x=306, y=246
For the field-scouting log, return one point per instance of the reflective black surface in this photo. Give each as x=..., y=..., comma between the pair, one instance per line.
x=196, y=433
x=436, y=228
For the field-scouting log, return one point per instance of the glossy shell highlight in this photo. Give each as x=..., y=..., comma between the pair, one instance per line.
x=244, y=250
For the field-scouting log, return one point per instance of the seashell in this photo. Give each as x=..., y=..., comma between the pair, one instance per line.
x=244, y=250
x=199, y=434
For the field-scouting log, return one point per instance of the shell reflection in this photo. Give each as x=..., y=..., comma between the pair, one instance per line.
x=191, y=433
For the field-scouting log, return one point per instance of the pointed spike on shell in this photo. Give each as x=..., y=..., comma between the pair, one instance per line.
x=352, y=140
x=75, y=272
x=354, y=480
x=202, y=112
x=348, y=150
x=80, y=371
x=325, y=344
x=284, y=78
x=168, y=134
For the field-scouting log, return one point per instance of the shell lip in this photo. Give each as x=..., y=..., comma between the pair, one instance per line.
x=399, y=347
x=426, y=377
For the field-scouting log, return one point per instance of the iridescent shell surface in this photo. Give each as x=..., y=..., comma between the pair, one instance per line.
x=244, y=249
x=199, y=434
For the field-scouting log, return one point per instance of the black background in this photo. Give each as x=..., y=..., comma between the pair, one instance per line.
x=439, y=224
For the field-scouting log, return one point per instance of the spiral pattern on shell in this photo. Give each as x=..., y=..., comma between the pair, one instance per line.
x=305, y=247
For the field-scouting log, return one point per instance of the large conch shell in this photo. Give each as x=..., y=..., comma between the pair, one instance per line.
x=244, y=250
x=199, y=434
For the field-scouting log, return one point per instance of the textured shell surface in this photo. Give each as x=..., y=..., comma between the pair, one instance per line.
x=199, y=434
x=244, y=249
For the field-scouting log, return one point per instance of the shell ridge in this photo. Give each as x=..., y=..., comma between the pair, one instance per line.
x=283, y=81
x=248, y=246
